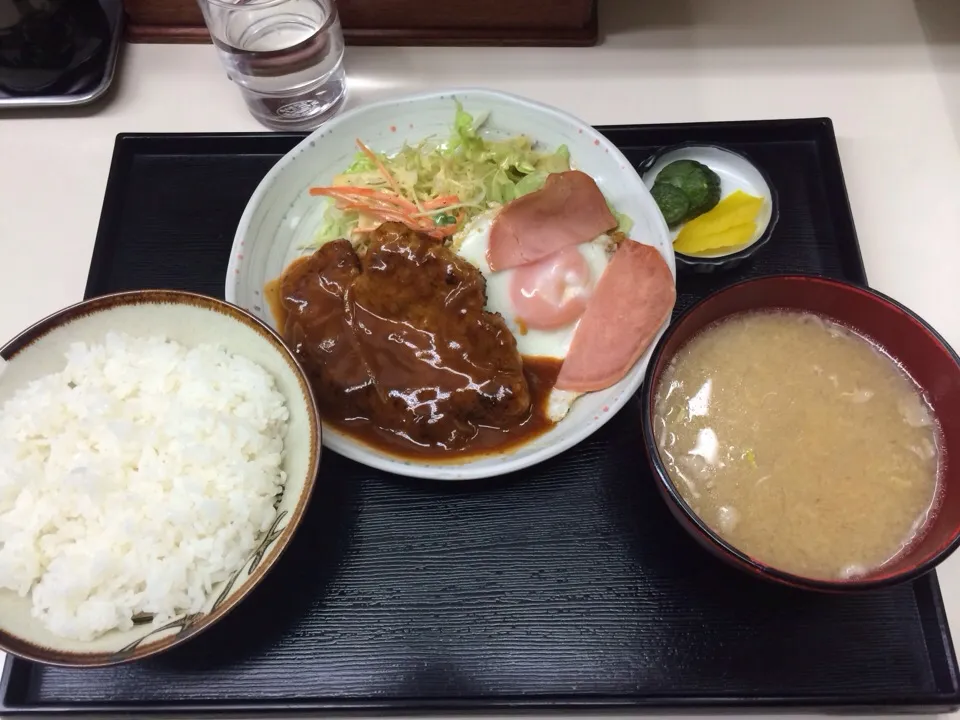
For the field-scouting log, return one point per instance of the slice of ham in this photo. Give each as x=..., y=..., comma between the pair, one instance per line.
x=568, y=210
x=634, y=297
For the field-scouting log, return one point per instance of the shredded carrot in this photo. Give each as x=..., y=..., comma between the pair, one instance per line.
x=393, y=206
x=380, y=166
x=349, y=190
x=389, y=216
x=372, y=205
x=439, y=202
x=377, y=212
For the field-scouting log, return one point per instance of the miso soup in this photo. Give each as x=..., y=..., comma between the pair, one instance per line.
x=799, y=442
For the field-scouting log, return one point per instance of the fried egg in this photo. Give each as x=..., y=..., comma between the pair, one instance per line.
x=542, y=302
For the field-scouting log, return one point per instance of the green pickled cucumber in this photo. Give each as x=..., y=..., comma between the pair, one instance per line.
x=675, y=172
x=696, y=181
x=672, y=202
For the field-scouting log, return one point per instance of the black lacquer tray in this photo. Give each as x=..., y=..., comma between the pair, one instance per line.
x=566, y=586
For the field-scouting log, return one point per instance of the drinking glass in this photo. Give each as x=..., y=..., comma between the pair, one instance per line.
x=285, y=55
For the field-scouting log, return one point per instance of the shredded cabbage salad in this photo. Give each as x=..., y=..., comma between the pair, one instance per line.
x=437, y=188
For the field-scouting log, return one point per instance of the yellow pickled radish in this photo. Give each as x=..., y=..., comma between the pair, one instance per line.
x=732, y=222
x=729, y=238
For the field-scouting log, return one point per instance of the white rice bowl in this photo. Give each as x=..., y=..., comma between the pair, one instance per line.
x=142, y=477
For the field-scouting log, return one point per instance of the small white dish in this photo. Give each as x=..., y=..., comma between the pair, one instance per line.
x=736, y=172
x=191, y=320
x=281, y=218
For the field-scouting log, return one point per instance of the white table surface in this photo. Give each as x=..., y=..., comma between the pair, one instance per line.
x=886, y=71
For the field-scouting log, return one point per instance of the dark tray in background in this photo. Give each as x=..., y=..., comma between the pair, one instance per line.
x=92, y=85
x=568, y=585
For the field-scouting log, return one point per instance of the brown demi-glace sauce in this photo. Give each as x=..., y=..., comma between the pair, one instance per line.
x=401, y=353
x=541, y=374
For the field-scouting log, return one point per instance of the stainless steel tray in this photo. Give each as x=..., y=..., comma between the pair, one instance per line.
x=84, y=94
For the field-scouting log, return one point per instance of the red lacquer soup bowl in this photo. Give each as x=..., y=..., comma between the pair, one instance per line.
x=912, y=342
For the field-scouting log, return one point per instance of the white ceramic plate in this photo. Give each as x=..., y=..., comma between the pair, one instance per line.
x=281, y=218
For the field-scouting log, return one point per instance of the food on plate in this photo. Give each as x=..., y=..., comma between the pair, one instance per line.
x=567, y=211
x=698, y=186
x=436, y=321
x=135, y=479
x=542, y=302
x=632, y=300
x=799, y=442
x=731, y=223
x=437, y=188
x=400, y=350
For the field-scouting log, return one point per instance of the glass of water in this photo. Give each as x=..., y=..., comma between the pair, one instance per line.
x=285, y=55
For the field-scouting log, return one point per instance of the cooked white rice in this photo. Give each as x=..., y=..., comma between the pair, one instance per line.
x=134, y=480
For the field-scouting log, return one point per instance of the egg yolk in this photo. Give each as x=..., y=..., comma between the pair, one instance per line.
x=552, y=292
